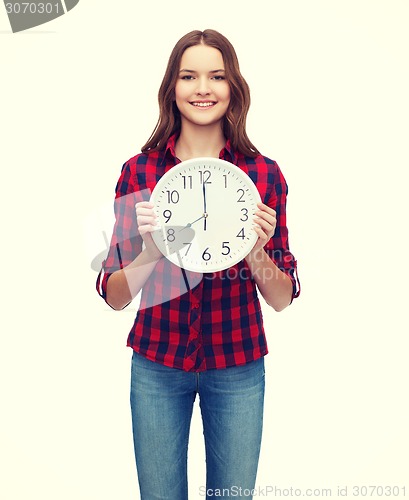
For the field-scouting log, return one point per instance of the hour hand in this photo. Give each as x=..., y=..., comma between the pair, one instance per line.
x=190, y=224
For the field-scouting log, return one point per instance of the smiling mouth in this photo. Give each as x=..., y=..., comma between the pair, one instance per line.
x=207, y=104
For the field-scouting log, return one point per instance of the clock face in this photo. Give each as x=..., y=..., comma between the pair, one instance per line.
x=205, y=209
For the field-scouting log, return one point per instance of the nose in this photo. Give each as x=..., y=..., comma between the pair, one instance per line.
x=203, y=86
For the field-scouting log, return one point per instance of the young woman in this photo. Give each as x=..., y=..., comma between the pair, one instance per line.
x=198, y=334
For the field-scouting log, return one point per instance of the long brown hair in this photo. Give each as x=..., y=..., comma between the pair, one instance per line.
x=234, y=121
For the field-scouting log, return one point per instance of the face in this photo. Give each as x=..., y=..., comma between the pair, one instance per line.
x=202, y=92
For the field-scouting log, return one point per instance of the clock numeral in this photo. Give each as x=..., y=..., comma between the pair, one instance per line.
x=187, y=182
x=225, y=180
x=241, y=199
x=170, y=235
x=173, y=196
x=245, y=212
x=167, y=214
x=241, y=234
x=205, y=176
x=206, y=255
x=225, y=246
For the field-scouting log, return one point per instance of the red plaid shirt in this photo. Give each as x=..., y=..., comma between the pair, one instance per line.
x=194, y=321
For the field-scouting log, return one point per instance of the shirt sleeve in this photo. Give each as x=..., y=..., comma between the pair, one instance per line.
x=126, y=242
x=278, y=247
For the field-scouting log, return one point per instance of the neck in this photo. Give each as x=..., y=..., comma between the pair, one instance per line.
x=195, y=141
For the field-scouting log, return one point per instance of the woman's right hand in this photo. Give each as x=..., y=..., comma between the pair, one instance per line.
x=146, y=222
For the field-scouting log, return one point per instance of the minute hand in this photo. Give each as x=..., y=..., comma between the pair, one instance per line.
x=204, y=206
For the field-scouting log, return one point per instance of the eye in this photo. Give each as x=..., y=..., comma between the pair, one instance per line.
x=187, y=77
x=219, y=77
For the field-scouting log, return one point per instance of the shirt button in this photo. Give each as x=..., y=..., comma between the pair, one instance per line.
x=195, y=305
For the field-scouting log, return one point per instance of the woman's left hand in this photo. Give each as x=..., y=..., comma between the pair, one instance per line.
x=265, y=225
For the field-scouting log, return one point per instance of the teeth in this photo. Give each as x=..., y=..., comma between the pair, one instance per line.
x=203, y=104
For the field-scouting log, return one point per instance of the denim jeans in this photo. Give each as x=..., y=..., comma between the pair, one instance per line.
x=231, y=404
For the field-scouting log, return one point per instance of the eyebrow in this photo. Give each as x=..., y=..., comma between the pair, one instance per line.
x=192, y=71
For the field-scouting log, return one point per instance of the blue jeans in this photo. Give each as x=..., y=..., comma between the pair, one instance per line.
x=231, y=404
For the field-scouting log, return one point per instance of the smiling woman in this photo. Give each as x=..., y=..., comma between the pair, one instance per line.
x=224, y=57
x=202, y=92
x=199, y=334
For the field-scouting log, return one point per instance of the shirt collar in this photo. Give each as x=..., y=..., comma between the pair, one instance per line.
x=227, y=153
x=170, y=148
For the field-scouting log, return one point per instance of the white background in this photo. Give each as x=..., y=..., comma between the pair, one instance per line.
x=329, y=82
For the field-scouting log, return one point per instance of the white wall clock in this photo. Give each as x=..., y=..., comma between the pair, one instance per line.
x=205, y=209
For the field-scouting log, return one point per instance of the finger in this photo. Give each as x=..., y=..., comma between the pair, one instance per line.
x=261, y=240
x=266, y=217
x=144, y=204
x=267, y=226
x=146, y=220
x=145, y=211
x=146, y=228
x=260, y=233
x=265, y=208
x=266, y=211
